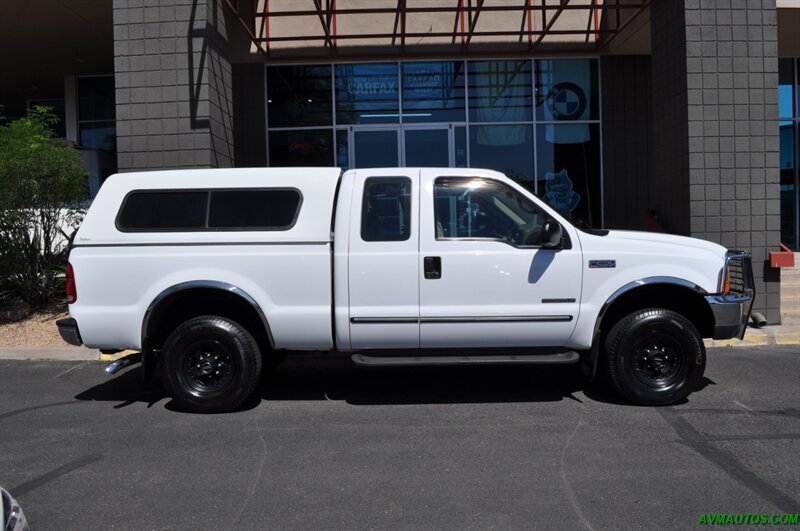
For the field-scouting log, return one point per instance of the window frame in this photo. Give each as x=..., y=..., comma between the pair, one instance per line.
x=207, y=215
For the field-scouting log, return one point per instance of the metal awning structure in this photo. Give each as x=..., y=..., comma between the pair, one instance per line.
x=327, y=29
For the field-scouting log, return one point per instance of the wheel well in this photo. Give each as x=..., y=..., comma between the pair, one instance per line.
x=673, y=297
x=186, y=304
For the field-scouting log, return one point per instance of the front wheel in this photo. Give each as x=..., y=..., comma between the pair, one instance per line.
x=211, y=364
x=655, y=357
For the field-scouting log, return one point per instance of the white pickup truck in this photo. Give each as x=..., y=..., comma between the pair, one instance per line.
x=214, y=274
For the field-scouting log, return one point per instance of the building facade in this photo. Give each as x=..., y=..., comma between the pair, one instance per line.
x=672, y=115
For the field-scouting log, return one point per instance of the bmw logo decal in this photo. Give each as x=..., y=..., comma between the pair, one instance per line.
x=567, y=101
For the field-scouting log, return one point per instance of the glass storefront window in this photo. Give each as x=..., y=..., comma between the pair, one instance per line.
x=500, y=91
x=95, y=98
x=568, y=170
x=96, y=113
x=427, y=147
x=301, y=148
x=374, y=148
x=433, y=91
x=99, y=135
x=367, y=94
x=505, y=148
x=788, y=187
x=786, y=97
x=566, y=89
x=789, y=114
x=537, y=121
x=299, y=96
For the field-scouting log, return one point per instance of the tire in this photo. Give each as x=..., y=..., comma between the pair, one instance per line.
x=210, y=364
x=656, y=357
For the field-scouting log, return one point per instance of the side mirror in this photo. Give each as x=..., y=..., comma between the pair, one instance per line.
x=552, y=233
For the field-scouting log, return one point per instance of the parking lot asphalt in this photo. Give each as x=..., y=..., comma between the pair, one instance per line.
x=329, y=445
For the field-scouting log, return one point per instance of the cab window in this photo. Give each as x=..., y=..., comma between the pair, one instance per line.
x=474, y=208
x=386, y=209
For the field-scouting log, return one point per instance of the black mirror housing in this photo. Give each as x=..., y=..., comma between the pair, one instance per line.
x=552, y=234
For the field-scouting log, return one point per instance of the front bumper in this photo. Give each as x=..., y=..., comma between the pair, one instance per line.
x=68, y=328
x=730, y=315
x=732, y=309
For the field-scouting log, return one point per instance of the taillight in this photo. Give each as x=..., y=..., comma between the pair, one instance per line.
x=72, y=291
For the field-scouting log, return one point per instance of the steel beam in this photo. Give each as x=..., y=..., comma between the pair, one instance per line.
x=547, y=29
x=466, y=16
x=540, y=34
x=325, y=27
x=245, y=26
x=473, y=21
x=454, y=9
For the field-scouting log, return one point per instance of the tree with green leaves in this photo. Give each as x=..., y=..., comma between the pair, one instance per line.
x=43, y=185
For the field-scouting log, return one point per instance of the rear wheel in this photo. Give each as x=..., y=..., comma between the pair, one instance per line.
x=210, y=364
x=655, y=357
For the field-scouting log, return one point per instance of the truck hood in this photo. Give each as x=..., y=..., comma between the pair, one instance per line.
x=669, y=239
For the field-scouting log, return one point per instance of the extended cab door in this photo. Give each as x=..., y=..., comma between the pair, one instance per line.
x=486, y=281
x=383, y=269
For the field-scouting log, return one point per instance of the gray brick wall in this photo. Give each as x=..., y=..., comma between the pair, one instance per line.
x=173, y=84
x=720, y=151
x=627, y=139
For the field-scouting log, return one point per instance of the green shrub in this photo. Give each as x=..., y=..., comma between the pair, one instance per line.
x=42, y=186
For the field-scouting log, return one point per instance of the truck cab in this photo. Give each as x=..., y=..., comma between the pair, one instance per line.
x=451, y=259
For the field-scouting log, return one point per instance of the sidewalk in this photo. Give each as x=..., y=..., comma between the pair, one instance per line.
x=769, y=335
x=45, y=353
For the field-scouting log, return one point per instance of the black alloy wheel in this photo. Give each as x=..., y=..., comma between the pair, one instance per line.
x=207, y=366
x=659, y=361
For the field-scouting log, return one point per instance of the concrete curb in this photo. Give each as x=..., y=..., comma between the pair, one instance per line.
x=65, y=354
x=758, y=337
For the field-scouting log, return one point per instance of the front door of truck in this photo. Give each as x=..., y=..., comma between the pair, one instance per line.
x=484, y=280
x=383, y=265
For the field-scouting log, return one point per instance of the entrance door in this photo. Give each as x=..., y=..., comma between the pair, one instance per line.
x=375, y=148
x=401, y=146
x=427, y=147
